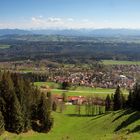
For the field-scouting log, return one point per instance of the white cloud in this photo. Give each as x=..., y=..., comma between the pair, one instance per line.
x=85, y=20
x=41, y=16
x=70, y=19
x=52, y=19
x=56, y=22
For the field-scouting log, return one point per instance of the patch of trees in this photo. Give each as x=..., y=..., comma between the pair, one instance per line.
x=134, y=97
x=35, y=77
x=65, y=85
x=22, y=106
x=119, y=101
x=94, y=106
x=115, y=102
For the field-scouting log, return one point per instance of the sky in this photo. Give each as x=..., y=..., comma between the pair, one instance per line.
x=69, y=14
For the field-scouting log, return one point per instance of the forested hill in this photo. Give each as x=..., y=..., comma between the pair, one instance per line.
x=72, y=38
x=74, y=32
x=68, y=49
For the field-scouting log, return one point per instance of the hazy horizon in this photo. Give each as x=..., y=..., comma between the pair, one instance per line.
x=69, y=14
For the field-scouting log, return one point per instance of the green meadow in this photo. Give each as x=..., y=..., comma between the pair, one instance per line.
x=4, y=46
x=119, y=125
x=115, y=62
x=78, y=90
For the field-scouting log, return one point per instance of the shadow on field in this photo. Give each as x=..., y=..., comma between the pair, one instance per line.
x=84, y=115
x=132, y=118
x=77, y=115
x=136, y=129
x=128, y=111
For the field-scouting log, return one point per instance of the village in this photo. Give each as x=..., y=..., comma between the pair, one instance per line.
x=122, y=75
x=103, y=76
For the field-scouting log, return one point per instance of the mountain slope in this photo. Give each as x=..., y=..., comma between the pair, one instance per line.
x=14, y=31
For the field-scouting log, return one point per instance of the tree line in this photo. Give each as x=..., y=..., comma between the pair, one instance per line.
x=72, y=52
x=22, y=106
x=119, y=101
x=114, y=102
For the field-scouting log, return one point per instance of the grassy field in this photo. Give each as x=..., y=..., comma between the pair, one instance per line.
x=4, y=46
x=80, y=93
x=114, y=62
x=79, y=90
x=120, y=125
x=52, y=85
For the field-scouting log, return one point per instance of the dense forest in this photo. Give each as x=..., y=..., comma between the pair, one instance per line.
x=22, y=106
x=68, y=49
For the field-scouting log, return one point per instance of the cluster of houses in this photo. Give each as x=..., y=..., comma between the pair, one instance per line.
x=122, y=75
x=106, y=77
x=74, y=100
x=71, y=100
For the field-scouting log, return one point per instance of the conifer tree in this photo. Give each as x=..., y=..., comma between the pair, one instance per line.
x=2, y=105
x=13, y=116
x=54, y=106
x=2, y=124
x=117, y=99
x=6, y=87
x=134, y=97
x=49, y=100
x=45, y=113
x=21, y=104
x=108, y=103
x=16, y=120
x=19, y=90
x=31, y=95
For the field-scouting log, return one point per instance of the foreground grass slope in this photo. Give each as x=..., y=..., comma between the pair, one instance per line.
x=120, y=125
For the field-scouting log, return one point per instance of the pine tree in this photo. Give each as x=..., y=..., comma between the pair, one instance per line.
x=108, y=103
x=54, y=106
x=134, y=97
x=31, y=95
x=2, y=105
x=45, y=113
x=12, y=113
x=123, y=101
x=16, y=120
x=130, y=99
x=49, y=100
x=65, y=85
x=2, y=124
x=21, y=104
x=20, y=93
x=117, y=99
x=6, y=87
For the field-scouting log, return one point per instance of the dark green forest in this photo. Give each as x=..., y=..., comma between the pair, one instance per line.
x=22, y=106
x=68, y=49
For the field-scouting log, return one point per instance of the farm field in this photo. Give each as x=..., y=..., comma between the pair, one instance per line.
x=79, y=90
x=4, y=46
x=68, y=126
x=115, y=62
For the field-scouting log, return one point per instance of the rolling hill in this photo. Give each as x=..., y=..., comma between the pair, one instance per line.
x=105, y=32
x=120, y=125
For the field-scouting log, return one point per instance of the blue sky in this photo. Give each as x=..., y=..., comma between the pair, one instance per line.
x=42, y=14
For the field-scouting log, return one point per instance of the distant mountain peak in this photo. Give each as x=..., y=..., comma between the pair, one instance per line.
x=74, y=32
